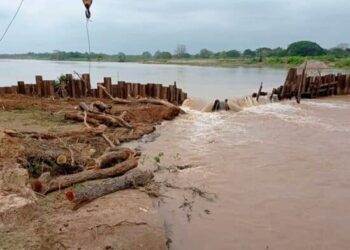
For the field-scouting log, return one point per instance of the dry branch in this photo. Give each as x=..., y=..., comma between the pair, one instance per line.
x=92, y=190
x=46, y=184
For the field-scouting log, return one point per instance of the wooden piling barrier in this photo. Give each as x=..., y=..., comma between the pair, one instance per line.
x=79, y=88
x=303, y=86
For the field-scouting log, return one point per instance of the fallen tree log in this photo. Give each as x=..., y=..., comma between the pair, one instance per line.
x=50, y=136
x=45, y=183
x=109, y=120
x=80, y=118
x=95, y=189
x=102, y=107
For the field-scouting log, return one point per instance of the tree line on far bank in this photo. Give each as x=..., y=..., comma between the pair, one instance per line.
x=295, y=51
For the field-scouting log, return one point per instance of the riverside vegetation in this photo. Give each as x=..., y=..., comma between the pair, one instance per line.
x=295, y=54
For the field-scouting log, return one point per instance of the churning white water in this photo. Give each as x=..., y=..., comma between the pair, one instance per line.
x=280, y=170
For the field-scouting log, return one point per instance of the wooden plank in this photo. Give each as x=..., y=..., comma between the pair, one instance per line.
x=164, y=93
x=288, y=82
x=259, y=91
x=301, y=83
x=143, y=90
x=87, y=81
x=179, y=94
x=21, y=87
x=100, y=93
x=347, y=85
x=107, y=82
x=38, y=81
x=51, y=88
x=69, y=85
x=127, y=90
x=134, y=90
x=121, y=89
x=157, y=90
x=318, y=84
x=78, y=88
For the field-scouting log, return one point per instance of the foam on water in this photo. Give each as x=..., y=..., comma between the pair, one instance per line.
x=287, y=111
x=236, y=105
x=271, y=108
x=327, y=105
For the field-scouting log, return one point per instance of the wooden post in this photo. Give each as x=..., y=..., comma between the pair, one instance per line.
x=107, y=81
x=127, y=90
x=21, y=88
x=179, y=95
x=164, y=93
x=38, y=81
x=78, y=88
x=301, y=83
x=292, y=73
x=87, y=81
x=143, y=90
x=157, y=90
x=347, y=85
x=259, y=92
x=69, y=84
x=51, y=88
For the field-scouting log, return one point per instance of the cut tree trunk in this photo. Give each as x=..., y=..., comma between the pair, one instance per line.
x=109, y=120
x=102, y=107
x=80, y=118
x=92, y=190
x=46, y=184
x=48, y=136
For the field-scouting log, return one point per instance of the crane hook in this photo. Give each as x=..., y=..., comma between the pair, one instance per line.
x=87, y=4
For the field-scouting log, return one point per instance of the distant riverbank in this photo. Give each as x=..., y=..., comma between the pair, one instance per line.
x=274, y=62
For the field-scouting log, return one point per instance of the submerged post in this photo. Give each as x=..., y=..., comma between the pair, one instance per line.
x=302, y=82
x=259, y=92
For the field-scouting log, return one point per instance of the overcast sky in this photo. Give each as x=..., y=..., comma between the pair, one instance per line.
x=134, y=26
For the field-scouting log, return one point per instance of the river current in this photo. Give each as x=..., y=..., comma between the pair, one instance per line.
x=279, y=171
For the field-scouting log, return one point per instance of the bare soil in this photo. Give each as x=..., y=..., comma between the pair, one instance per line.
x=122, y=220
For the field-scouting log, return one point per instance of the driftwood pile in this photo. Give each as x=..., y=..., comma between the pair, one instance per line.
x=96, y=176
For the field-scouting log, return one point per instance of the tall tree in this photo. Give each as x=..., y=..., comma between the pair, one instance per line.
x=181, y=51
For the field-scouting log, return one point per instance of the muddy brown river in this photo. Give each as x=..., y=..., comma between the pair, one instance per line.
x=280, y=172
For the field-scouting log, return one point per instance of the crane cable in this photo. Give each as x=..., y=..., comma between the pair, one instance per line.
x=12, y=20
x=88, y=4
x=89, y=43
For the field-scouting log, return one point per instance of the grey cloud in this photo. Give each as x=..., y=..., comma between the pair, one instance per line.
x=137, y=25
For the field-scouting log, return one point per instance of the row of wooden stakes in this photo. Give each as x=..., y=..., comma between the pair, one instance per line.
x=303, y=86
x=79, y=88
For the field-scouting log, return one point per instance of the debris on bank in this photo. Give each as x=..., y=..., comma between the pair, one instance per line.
x=47, y=173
